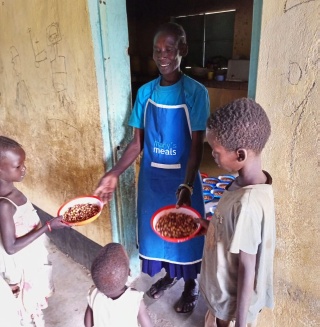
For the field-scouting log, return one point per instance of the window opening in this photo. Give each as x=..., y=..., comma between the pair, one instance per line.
x=209, y=36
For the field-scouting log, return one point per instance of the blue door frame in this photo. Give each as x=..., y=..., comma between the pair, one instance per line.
x=109, y=28
x=255, y=45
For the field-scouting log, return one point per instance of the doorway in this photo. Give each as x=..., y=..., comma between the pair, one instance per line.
x=143, y=19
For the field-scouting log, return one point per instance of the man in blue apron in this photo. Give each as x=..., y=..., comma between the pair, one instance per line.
x=169, y=119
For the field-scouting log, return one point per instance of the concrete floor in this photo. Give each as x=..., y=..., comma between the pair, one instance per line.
x=72, y=282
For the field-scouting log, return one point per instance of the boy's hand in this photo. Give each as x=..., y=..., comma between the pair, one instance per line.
x=204, y=226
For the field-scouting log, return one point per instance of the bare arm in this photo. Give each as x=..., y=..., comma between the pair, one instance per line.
x=108, y=182
x=143, y=316
x=13, y=244
x=195, y=157
x=204, y=225
x=246, y=276
x=88, y=317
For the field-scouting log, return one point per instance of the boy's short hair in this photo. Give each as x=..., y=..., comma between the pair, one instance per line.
x=110, y=268
x=240, y=124
x=7, y=143
x=173, y=28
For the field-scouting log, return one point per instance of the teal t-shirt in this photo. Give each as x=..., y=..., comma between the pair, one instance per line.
x=186, y=90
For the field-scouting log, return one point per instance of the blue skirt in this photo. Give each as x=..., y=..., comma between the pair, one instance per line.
x=152, y=267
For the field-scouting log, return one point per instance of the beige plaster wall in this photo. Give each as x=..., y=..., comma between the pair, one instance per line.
x=49, y=101
x=289, y=91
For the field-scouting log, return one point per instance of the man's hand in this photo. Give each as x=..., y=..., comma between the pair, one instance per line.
x=106, y=187
x=184, y=197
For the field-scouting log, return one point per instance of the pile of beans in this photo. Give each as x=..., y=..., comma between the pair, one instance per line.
x=207, y=197
x=176, y=225
x=226, y=179
x=80, y=212
x=207, y=188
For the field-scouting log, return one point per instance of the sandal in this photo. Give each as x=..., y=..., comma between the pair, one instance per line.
x=157, y=289
x=188, y=300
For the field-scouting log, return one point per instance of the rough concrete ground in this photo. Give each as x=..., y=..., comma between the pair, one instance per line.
x=72, y=282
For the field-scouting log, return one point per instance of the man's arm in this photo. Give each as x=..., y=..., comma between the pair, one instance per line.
x=195, y=157
x=109, y=180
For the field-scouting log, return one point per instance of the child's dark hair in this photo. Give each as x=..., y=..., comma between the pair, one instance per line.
x=240, y=124
x=110, y=269
x=6, y=144
x=175, y=29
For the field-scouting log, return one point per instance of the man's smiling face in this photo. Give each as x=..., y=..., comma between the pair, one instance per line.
x=167, y=53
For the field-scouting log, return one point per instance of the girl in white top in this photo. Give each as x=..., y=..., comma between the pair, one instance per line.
x=23, y=255
x=8, y=307
x=110, y=301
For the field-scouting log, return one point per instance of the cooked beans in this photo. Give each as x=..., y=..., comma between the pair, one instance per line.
x=176, y=225
x=226, y=179
x=223, y=186
x=80, y=212
x=211, y=181
x=207, y=197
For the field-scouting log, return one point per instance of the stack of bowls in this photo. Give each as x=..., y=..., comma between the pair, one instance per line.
x=224, y=181
x=226, y=178
x=212, y=209
x=213, y=187
x=208, y=185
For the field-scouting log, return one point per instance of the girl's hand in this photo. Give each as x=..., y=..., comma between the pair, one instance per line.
x=15, y=289
x=184, y=197
x=204, y=225
x=57, y=223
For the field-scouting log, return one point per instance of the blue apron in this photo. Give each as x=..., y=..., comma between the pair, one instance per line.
x=167, y=143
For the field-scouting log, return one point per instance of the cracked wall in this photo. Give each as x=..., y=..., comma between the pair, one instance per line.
x=288, y=89
x=49, y=102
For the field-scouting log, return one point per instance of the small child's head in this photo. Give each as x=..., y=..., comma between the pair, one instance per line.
x=241, y=124
x=12, y=157
x=110, y=269
x=169, y=46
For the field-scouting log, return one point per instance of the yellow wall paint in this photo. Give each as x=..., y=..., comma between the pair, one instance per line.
x=58, y=125
x=287, y=88
x=49, y=102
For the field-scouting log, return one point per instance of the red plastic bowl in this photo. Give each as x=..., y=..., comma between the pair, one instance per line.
x=172, y=208
x=81, y=200
x=203, y=175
